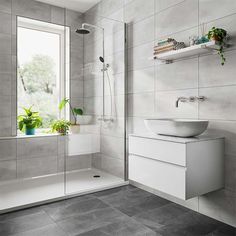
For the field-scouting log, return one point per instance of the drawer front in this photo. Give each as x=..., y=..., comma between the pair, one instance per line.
x=158, y=175
x=171, y=152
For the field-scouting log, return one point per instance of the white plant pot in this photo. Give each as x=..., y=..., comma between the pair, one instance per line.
x=84, y=119
x=75, y=129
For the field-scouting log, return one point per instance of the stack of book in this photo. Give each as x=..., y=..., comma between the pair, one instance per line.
x=166, y=45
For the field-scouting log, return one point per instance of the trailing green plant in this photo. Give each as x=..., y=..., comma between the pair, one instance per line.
x=61, y=126
x=220, y=36
x=29, y=120
x=74, y=111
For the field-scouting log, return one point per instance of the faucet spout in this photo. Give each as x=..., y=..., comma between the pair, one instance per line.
x=180, y=99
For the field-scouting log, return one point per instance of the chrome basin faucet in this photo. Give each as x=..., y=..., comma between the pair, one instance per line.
x=189, y=99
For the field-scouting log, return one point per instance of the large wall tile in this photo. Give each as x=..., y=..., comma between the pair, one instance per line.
x=8, y=149
x=141, y=104
x=5, y=6
x=116, y=62
x=35, y=167
x=5, y=126
x=117, y=82
x=33, y=9
x=5, y=88
x=5, y=44
x=171, y=19
x=76, y=90
x=211, y=73
x=212, y=9
x=110, y=6
x=165, y=104
x=220, y=103
x=115, y=128
x=136, y=125
x=161, y=5
x=219, y=205
x=73, y=19
x=78, y=162
x=172, y=76
x=114, y=43
x=93, y=105
x=93, y=87
x=141, y=80
x=112, y=146
x=5, y=63
x=136, y=35
x=5, y=104
x=226, y=129
x=5, y=26
x=139, y=57
x=36, y=147
x=230, y=173
x=117, y=109
x=137, y=10
x=7, y=170
x=57, y=15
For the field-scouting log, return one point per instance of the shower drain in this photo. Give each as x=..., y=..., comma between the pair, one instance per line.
x=96, y=176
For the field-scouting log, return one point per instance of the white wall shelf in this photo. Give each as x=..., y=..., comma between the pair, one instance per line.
x=169, y=57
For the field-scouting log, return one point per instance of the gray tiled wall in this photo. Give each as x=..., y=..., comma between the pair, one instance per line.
x=153, y=88
x=28, y=157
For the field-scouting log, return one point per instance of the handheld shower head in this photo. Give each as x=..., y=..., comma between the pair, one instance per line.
x=101, y=59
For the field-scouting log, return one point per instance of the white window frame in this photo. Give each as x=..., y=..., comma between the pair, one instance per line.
x=64, y=55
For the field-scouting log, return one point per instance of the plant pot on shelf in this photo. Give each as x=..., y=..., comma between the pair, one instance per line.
x=75, y=129
x=29, y=131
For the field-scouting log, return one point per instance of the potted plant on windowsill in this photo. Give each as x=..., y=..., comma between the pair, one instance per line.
x=220, y=36
x=75, y=112
x=29, y=121
x=60, y=126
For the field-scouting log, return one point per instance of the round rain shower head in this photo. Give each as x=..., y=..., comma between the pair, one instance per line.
x=82, y=31
x=101, y=59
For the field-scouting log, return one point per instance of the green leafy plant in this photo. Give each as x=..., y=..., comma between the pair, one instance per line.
x=220, y=36
x=74, y=111
x=29, y=120
x=61, y=126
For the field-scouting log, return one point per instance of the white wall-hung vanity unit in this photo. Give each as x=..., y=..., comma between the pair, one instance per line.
x=181, y=167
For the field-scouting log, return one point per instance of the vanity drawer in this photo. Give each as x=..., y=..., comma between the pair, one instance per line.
x=165, y=177
x=171, y=152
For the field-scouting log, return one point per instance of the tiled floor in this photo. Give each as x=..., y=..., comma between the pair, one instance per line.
x=124, y=211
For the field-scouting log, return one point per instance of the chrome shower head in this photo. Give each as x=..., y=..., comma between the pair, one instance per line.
x=82, y=30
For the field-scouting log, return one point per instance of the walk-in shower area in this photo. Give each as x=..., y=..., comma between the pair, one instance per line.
x=89, y=70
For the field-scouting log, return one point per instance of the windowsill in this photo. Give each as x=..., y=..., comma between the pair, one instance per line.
x=37, y=135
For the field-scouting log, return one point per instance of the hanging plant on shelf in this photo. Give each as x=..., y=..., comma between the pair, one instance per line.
x=220, y=36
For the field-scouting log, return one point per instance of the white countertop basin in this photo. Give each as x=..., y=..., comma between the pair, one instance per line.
x=176, y=127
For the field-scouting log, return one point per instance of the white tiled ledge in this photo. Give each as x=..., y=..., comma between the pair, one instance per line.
x=177, y=139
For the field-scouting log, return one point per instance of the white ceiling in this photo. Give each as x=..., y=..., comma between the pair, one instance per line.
x=77, y=5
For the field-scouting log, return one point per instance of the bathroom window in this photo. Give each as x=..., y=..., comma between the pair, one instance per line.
x=41, y=71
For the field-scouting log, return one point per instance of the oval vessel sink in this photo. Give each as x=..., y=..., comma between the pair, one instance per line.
x=176, y=127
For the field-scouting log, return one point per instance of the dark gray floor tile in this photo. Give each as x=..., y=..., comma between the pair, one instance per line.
x=73, y=208
x=20, y=213
x=125, y=198
x=159, y=217
x=92, y=220
x=190, y=224
x=224, y=231
x=49, y=230
x=114, y=190
x=24, y=223
x=142, y=205
x=124, y=227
